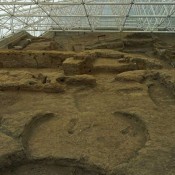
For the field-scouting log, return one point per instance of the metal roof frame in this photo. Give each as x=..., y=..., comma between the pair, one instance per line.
x=38, y=16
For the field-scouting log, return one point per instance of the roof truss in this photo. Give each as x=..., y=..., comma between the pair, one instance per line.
x=38, y=16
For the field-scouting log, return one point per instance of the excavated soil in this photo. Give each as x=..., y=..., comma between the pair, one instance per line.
x=107, y=109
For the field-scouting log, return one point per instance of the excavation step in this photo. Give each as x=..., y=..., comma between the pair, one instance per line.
x=46, y=168
x=32, y=59
x=137, y=42
x=73, y=66
x=112, y=65
x=86, y=80
x=136, y=50
x=105, y=45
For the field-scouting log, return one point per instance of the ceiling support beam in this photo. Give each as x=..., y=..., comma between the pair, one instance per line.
x=48, y=15
x=86, y=3
x=127, y=15
x=96, y=16
x=87, y=15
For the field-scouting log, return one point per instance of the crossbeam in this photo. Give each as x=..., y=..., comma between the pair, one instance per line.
x=87, y=15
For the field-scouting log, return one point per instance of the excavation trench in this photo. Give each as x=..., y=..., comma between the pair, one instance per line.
x=51, y=168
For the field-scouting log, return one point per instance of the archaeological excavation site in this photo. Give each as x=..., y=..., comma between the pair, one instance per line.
x=87, y=87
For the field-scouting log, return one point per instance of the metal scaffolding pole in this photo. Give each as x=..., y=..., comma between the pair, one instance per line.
x=87, y=15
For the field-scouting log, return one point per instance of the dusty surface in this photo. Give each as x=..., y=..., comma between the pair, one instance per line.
x=106, y=110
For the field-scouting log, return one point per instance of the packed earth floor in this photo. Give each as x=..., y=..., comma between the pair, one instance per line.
x=88, y=105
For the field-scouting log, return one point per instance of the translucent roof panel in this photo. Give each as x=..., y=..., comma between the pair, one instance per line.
x=38, y=16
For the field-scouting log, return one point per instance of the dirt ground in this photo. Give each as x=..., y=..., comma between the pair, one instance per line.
x=106, y=108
